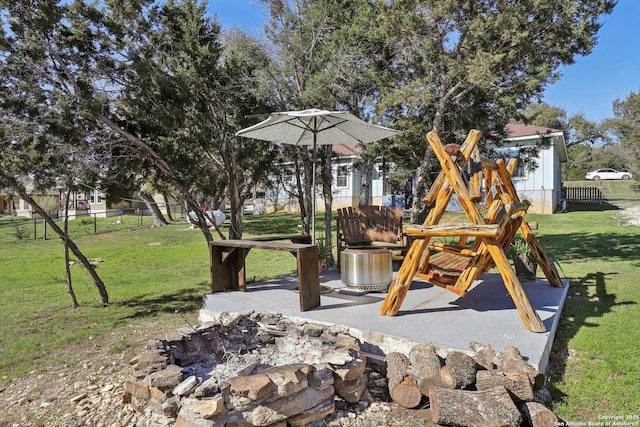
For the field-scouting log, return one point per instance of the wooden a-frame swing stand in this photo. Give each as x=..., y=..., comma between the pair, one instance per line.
x=456, y=267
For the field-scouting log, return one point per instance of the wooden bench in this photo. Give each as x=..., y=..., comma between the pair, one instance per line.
x=227, y=261
x=379, y=226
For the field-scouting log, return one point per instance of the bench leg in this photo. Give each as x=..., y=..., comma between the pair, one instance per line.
x=239, y=277
x=308, y=279
x=220, y=277
x=227, y=272
x=527, y=313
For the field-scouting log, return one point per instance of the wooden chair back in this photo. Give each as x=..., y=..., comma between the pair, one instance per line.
x=368, y=224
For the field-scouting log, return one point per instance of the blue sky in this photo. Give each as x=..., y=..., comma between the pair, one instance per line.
x=588, y=86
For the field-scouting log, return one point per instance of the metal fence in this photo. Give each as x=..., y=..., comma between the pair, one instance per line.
x=13, y=228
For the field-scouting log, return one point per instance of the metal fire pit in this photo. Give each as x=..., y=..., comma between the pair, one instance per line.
x=366, y=269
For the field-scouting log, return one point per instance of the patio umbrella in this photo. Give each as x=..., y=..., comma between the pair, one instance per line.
x=315, y=127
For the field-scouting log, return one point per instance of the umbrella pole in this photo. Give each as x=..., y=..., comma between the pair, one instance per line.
x=313, y=191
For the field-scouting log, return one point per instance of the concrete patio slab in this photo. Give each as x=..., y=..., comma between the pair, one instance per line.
x=486, y=314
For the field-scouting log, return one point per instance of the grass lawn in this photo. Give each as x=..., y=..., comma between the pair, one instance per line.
x=151, y=273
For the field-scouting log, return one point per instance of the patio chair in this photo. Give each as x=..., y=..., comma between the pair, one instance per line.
x=379, y=226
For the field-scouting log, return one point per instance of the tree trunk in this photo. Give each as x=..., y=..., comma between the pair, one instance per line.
x=309, y=194
x=230, y=158
x=365, y=188
x=424, y=359
x=235, y=198
x=235, y=219
x=484, y=355
x=418, y=208
x=302, y=193
x=402, y=388
x=67, y=267
x=156, y=214
x=166, y=203
x=487, y=408
x=518, y=384
x=102, y=290
x=512, y=361
x=459, y=370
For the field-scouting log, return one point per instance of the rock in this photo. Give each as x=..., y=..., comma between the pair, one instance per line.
x=313, y=330
x=167, y=378
x=351, y=391
x=147, y=361
x=288, y=379
x=137, y=389
x=252, y=387
x=321, y=377
x=316, y=413
x=78, y=398
x=206, y=408
x=351, y=370
x=186, y=386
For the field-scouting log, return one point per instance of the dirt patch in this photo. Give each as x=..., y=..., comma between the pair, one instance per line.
x=630, y=215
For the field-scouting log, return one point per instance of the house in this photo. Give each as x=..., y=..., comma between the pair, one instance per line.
x=80, y=204
x=348, y=178
x=347, y=184
x=13, y=204
x=542, y=185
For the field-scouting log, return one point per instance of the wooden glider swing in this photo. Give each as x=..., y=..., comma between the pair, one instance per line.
x=456, y=267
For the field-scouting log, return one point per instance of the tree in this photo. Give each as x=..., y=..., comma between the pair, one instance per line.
x=580, y=136
x=189, y=105
x=145, y=80
x=476, y=63
x=324, y=59
x=39, y=138
x=243, y=65
x=625, y=128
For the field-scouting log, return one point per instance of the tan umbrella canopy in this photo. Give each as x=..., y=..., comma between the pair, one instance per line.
x=316, y=127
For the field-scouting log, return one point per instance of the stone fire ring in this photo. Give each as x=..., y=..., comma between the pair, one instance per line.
x=247, y=368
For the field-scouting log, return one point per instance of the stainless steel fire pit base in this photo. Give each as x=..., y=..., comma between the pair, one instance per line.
x=366, y=269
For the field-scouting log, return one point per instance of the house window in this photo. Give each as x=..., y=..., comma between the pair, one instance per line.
x=341, y=176
x=25, y=205
x=520, y=172
x=511, y=153
x=95, y=197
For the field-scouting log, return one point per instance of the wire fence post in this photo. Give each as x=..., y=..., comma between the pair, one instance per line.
x=95, y=225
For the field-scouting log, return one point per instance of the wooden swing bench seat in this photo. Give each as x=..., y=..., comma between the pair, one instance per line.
x=445, y=267
x=443, y=270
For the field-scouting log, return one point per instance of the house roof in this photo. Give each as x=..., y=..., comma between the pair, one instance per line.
x=517, y=130
x=347, y=149
x=520, y=131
